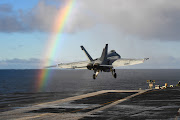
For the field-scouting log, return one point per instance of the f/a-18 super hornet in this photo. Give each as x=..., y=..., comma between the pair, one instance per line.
x=106, y=63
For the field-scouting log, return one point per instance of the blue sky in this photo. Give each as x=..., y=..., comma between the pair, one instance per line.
x=133, y=31
x=21, y=4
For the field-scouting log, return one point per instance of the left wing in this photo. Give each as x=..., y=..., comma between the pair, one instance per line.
x=124, y=62
x=74, y=65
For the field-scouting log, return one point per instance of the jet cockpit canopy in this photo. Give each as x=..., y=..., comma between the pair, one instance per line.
x=113, y=53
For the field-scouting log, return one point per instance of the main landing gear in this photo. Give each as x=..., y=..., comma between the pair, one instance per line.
x=114, y=73
x=95, y=74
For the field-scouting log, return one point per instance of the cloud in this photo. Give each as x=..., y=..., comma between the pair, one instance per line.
x=31, y=63
x=17, y=63
x=157, y=62
x=163, y=62
x=17, y=60
x=41, y=17
x=10, y=24
x=168, y=62
x=10, y=21
x=5, y=8
x=146, y=19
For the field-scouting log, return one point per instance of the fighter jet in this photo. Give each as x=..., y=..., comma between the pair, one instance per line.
x=106, y=63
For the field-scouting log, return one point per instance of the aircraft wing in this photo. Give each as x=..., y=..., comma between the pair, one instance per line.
x=125, y=62
x=74, y=65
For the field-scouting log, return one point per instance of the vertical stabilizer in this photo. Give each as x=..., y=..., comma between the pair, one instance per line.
x=89, y=57
x=104, y=54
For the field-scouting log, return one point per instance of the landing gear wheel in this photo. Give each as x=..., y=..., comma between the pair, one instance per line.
x=115, y=75
x=94, y=76
x=114, y=70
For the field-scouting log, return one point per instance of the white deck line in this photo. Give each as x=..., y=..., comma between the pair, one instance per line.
x=87, y=95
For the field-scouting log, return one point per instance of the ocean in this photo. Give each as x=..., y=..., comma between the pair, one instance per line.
x=81, y=81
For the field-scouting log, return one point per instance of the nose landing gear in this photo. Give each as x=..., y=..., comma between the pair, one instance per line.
x=114, y=73
x=94, y=76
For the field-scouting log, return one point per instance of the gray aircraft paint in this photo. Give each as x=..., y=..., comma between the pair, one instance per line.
x=106, y=63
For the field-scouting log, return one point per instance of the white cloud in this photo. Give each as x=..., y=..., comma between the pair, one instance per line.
x=41, y=17
x=147, y=19
x=5, y=8
x=17, y=63
x=31, y=63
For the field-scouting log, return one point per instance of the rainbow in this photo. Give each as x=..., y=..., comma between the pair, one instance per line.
x=62, y=17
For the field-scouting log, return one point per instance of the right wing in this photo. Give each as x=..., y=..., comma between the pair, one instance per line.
x=125, y=62
x=74, y=65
